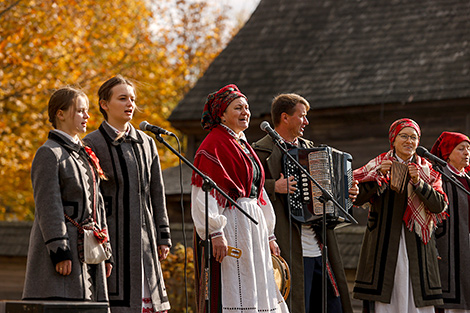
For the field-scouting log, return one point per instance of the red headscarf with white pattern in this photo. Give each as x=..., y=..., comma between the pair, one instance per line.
x=216, y=104
x=398, y=125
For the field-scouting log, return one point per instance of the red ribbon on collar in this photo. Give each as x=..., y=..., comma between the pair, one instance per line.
x=96, y=162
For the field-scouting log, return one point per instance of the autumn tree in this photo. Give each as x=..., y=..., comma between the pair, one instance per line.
x=46, y=44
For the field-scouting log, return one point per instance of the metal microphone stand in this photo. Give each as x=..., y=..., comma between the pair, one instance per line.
x=324, y=198
x=207, y=186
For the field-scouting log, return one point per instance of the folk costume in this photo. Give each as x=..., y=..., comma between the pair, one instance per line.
x=245, y=284
x=398, y=269
x=271, y=158
x=65, y=180
x=137, y=217
x=452, y=235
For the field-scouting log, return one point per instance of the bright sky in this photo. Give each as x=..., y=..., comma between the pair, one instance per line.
x=240, y=6
x=243, y=5
x=240, y=10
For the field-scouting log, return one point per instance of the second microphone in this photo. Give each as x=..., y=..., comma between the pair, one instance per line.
x=145, y=126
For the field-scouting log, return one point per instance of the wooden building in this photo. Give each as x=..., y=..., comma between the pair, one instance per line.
x=361, y=64
x=14, y=240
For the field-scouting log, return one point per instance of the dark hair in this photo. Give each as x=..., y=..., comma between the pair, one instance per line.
x=63, y=99
x=286, y=103
x=106, y=90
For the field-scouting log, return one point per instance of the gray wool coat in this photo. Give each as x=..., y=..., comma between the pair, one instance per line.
x=271, y=156
x=378, y=258
x=453, y=245
x=62, y=182
x=136, y=213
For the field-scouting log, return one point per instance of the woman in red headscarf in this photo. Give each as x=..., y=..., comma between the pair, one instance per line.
x=452, y=236
x=398, y=270
x=243, y=282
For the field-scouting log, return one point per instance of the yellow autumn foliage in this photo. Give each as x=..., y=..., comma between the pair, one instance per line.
x=47, y=44
x=174, y=275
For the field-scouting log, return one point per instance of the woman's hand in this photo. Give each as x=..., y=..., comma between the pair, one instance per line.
x=163, y=251
x=414, y=173
x=274, y=248
x=280, y=186
x=354, y=190
x=109, y=269
x=385, y=166
x=64, y=267
x=219, y=248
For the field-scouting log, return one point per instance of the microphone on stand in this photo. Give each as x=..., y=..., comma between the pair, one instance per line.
x=154, y=129
x=271, y=132
x=423, y=152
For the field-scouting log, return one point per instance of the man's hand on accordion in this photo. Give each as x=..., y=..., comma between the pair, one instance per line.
x=282, y=184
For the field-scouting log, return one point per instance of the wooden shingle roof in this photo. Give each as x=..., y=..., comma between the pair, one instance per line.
x=339, y=53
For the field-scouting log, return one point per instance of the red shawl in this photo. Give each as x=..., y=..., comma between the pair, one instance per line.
x=222, y=158
x=417, y=217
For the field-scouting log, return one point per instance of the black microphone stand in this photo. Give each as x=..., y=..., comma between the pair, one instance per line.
x=207, y=186
x=452, y=179
x=324, y=198
x=289, y=216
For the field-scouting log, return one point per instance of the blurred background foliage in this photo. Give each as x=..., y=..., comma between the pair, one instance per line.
x=163, y=46
x=173, y=274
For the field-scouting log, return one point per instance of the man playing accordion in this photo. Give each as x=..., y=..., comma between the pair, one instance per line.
x=289, y=115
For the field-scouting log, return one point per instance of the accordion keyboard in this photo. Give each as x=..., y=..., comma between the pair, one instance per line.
x=330, y=168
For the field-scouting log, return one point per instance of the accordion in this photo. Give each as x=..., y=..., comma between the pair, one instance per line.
x=332, y=169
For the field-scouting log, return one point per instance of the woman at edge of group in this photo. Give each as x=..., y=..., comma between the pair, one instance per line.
x=135, y=202
x=398, y=264
x=246, y=284
x=452, y=236
x=65, y=177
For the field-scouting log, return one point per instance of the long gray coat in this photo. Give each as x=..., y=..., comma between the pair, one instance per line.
x=379, y=252
x=453, y=245
x=62, y=182
x=136, y=213
x=270, y=156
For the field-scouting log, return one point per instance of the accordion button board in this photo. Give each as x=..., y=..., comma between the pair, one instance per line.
x=332, y=169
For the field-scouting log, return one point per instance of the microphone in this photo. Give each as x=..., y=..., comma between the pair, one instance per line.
x=423, y=152
x=265, y=127
x=154, y=129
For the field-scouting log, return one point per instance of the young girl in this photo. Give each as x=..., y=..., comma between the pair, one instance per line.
x=135, y=203
x=65, y=179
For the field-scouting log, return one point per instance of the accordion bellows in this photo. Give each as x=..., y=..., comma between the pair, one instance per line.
x=398, y=176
